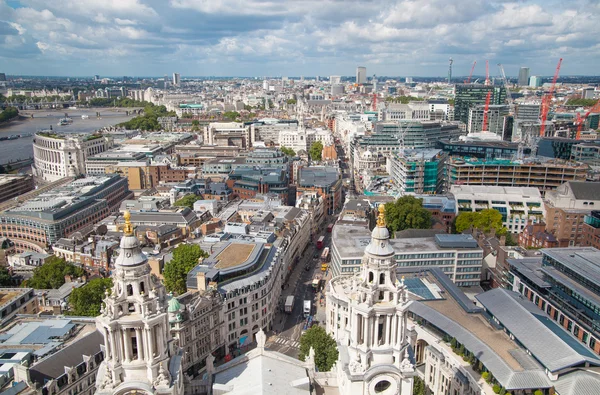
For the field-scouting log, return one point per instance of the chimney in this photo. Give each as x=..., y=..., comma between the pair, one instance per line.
x=502, y=240
x=201, y=279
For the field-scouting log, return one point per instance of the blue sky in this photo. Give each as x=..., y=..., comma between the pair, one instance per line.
x=296, y=37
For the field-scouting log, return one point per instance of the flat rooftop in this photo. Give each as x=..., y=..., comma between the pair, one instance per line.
x=234, y=254
x=478, y=191
x=319, y=176
x=8, y=178
x=7, y=294
x=585, y=261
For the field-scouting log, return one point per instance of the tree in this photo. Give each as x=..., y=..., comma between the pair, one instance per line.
x=187, y=201
x=326, y=353
x=8, y=114
x=87, y=300
x=288, y=151
x=538, y=392
x=418, y=386
x=185, y=258
x=316, y=151
x=407, y=213
x=51, y=275
x=483, y=220
x=485, y=376
x=496, y=388
x=291, y=101
x=5, y=277
x=464, y=221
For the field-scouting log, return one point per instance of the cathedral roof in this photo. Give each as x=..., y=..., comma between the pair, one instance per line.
x=380, y=236
x=130, y=253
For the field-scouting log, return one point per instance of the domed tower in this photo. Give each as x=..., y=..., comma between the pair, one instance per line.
x=139, y=354
x=367, y=316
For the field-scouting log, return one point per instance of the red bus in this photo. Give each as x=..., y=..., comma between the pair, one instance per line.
x=329, y=228
x=320, y=242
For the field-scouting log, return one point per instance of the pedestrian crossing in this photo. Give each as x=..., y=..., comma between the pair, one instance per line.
x=282, y=341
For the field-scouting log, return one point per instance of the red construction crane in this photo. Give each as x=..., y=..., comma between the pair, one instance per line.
x=580, y=121
x=487, y=73
x=547, y=100
x=485, y=111
x=468, y=80
x=374, y=101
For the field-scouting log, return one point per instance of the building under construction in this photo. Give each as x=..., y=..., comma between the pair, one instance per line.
x=543, y=174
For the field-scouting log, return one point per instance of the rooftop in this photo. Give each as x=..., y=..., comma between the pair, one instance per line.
x=584, y=261
x=485, y=190
x=318, y=176
x=234, y=254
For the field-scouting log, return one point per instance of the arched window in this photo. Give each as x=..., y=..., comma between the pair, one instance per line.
x=382, y=278
x=129, y=290
x=370, y=277
x=142, y=289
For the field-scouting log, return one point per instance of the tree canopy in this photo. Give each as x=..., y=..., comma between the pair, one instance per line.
x=581, y=102
x=185, y=257
x=291, y=101
x=403, y=99
x=5, y=277
x=483, y=220
x=316, y=151
x=326, y=352
x=149, y=119
x=419, y=386
x=407, y=213
x=288, y=151
x=8, y=114
x=51, y=275
x=86, y=301
x=122, y=102
x=187, y=201
x=231, y=115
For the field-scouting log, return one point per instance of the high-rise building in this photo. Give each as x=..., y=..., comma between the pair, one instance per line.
x=2, y=77
x=524, y=76
x=176, y=79
x=140, y=355
x=468, y=95
x=535, y=81
x=361, y=75
x=335, y=79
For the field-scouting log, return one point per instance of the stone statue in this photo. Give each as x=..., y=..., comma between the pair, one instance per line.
x=406, y=365
x=261, y=339
x=163, y=378
x=355, y=366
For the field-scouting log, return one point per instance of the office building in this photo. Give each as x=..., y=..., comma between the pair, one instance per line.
x=336, y=79
x=325, y=181
x=523, y=76
x=37, y=223
x=420, y=171
x=416, y=111
x=564, y=282
x=227, y=133
x=535, y=81
x=566, y=208
x=518, y=205
x=367, y=316
x=442, y=209
x=543, y=174
x=13, y=185
x=176, y=79
x=2, y=77
x=56, y=156
x=556, y=147
x=248, y=181
x=15, y=301
x=361, y=75
x=140, y=354
x=481, y=149
x=497, y=122
x=591, y=230
x=586, y=152
x=414, y=134
x=468, y=95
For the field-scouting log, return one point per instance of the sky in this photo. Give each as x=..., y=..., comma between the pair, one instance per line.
x=258, y=38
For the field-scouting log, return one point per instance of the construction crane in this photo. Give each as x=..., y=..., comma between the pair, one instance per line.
x=374, y=101
x=450, y=61
x=509, y=98
x=547, y=100
x=580, y=121
x=485, y=111
x=468, y=80
x=487, y=73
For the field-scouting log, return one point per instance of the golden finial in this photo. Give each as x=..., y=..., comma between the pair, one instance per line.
x=381, y=217
x=128, y=228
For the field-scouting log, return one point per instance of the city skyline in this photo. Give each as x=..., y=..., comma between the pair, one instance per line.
x=257, y=38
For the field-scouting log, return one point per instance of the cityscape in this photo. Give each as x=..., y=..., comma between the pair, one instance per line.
x=304, y=198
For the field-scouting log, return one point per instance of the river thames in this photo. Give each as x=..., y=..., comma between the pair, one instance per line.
x=22, y=148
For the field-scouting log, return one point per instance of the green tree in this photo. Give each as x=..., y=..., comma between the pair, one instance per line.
x=581, y=102
x=185, y=258
x=316, y=151
x=291, y=101
x=418, y=386
x=488, y=219
x=288, y=151
x=51, y=275
x=231, y=115
x=5, y=277
x=485, y=376
x=8, y=114
x=538, y=392
x=451, y=101
x=464, y=221
x=326, y=352
x=496, y=388
x=187, y=201
x=87, y=300
x=407, y=213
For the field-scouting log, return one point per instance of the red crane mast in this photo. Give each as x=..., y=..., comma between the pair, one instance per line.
x=547, y=99
x=580, y=121
x=485, y=111
x=468, y=80
x=487, y=73
x=374, y=101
